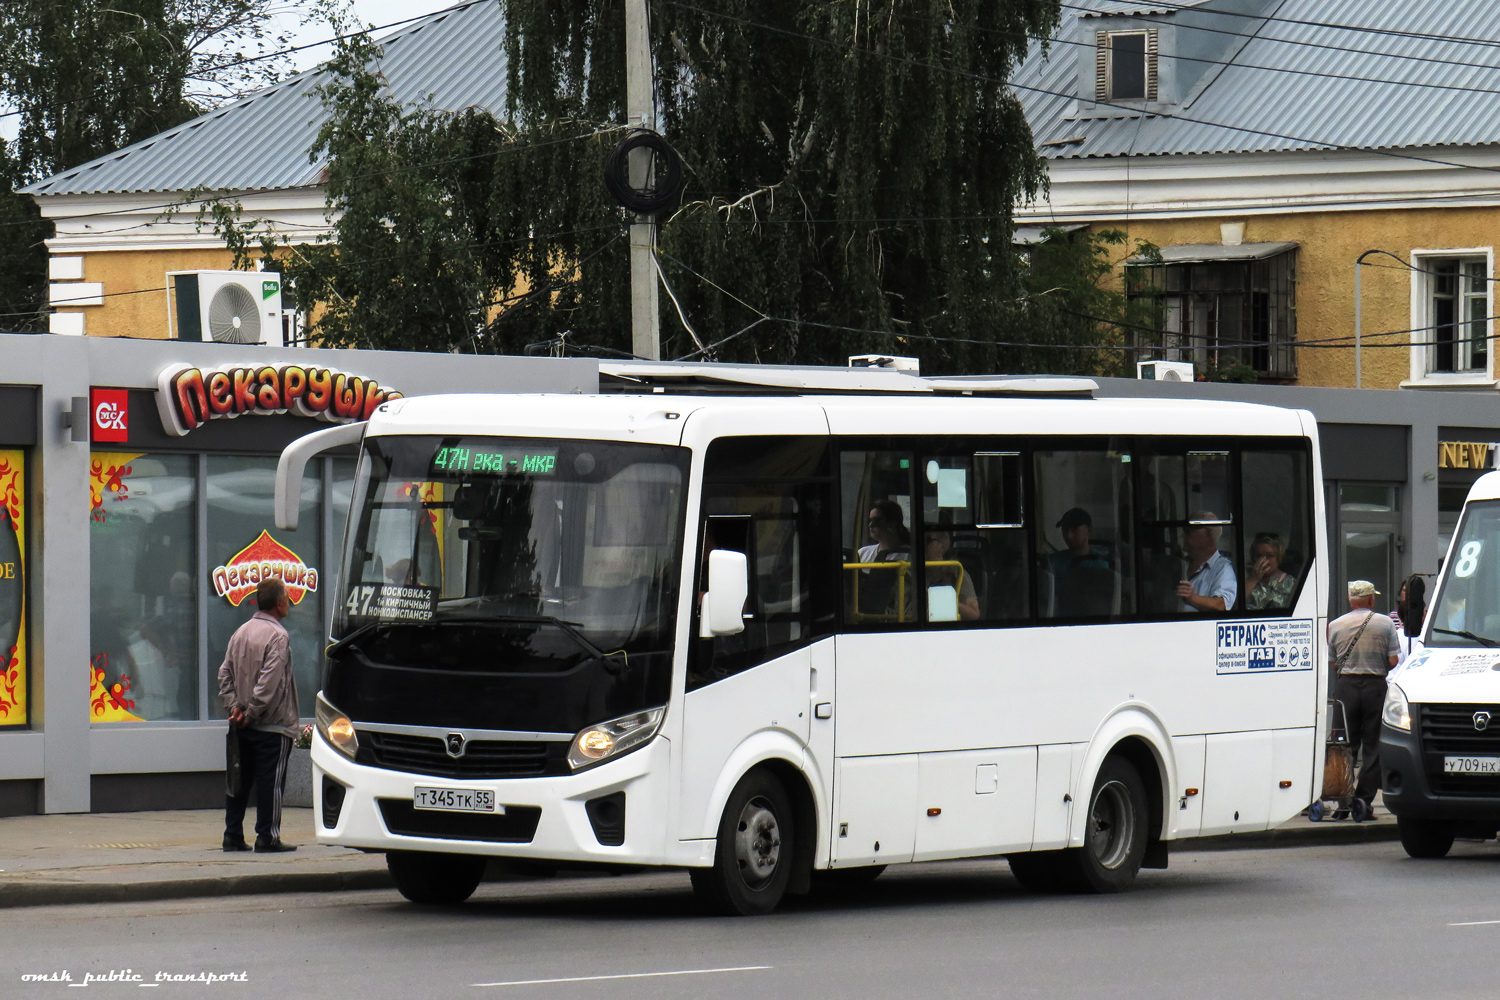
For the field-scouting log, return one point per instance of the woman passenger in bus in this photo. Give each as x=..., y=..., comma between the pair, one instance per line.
x=1266, y=586
x=938, y=543
x=890, y=539
x=891, y=542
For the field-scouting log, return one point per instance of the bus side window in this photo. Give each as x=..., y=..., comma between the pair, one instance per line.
x=879, y=579
x=1082, y=531
x=973, y=540
x=1278, y=538
x=768, y=498
x=1189, y=529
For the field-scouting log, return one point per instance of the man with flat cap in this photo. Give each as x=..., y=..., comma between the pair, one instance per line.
x=1082, y=578
x=1362, y=647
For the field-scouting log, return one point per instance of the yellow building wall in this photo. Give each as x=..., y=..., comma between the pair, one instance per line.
x=1330, y=242
x=135, y=300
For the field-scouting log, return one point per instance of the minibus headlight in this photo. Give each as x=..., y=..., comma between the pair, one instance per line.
x=335, y=727
x=1397, y=713
x=610, y=739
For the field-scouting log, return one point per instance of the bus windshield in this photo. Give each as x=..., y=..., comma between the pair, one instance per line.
x=1468, y=611
x=547, y=568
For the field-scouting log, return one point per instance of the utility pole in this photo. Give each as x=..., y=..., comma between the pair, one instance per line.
x=645, y=331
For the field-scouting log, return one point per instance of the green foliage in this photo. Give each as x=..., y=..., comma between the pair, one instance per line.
x=850, y=186
x=87, y=77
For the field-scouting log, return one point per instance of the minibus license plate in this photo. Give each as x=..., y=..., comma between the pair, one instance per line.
x=1471, y=765
x=476, y=800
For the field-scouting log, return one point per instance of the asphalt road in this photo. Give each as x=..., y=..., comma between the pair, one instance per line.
x=1356, y=921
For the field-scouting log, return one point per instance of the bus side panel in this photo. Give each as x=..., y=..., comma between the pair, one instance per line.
x=1237, y=782
x=975, y=802
x=1294, y=759
x=1185, y=817
x=876, y=812
x=1056, y=773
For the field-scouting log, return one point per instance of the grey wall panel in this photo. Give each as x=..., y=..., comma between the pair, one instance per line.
x=18, y=415
x=1370, y=452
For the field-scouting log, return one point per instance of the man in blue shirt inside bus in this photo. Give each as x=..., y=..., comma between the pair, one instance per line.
x=1210, y=586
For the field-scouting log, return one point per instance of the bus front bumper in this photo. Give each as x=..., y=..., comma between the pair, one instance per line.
x=545, y=818
x=1407, y=788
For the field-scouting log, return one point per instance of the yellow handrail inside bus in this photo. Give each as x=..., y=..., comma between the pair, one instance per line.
x=901, y=566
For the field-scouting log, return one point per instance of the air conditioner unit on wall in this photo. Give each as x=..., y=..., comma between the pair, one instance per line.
x=1165, y=371
x=230, y=307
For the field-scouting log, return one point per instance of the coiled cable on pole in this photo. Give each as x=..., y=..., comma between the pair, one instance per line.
x=654, y=198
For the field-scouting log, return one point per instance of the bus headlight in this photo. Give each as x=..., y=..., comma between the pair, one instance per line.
x=1397, y=713
x=610, y=739
x=335, y=727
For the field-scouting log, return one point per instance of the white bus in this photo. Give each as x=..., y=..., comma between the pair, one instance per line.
x=792, y=636
x=1440, y=732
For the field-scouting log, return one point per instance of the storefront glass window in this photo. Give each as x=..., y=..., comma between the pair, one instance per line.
x=13, y=660
x=243, y=545
x=143, y=615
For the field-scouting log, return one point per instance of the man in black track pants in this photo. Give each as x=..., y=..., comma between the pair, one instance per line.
x=260, y=695
x=1362, y=647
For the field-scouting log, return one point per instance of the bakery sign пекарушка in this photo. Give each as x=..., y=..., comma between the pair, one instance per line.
x=265, y=557
x=189, y=397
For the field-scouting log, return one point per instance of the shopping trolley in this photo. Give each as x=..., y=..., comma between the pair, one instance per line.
x=1338, y=768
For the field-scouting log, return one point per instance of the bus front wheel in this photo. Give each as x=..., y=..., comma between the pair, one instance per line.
x=1114, y=840
x=755, y=850
x=435, y=879
x=1423, y=839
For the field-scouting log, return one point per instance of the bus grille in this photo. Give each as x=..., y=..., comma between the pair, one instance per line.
x=1448, y=730
x=516, y=826
x=481, y=758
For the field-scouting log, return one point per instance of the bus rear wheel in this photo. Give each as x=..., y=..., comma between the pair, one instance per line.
x=1425, y=839
x=753, y=857
x=435, y=879
x=1114, y=840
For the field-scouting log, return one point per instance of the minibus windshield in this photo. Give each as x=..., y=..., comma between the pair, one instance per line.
x=1468, y=608
x=499, y=558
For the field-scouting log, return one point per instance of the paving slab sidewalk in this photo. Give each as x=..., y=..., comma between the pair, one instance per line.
x=119, y=857
x=108, y=857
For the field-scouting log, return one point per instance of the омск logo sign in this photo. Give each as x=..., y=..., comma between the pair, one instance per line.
x=1481, y=721
x=265, y=557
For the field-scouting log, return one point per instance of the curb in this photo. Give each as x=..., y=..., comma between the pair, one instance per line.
x=15, y=894
x=1309, y=835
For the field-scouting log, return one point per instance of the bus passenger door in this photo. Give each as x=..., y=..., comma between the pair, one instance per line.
x=749, y=695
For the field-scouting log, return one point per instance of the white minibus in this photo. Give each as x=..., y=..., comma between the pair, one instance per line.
x=1440, y=732
x=785, y=628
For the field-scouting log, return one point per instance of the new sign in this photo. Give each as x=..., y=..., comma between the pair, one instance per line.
x=189, y=397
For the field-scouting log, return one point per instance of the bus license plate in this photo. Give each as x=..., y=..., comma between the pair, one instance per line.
x=475, y=800
x=1471, y=765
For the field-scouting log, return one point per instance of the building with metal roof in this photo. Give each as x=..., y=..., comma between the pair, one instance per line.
x=1265, y=146
x=449, y=61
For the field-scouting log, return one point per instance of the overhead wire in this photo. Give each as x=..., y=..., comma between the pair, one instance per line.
x=1178, y=57
x=1365, y=29
x=983, y=78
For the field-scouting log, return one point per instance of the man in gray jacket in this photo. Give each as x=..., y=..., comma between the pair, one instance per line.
x=260, y=696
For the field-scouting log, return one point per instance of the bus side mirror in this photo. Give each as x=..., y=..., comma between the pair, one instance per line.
x=728, y=587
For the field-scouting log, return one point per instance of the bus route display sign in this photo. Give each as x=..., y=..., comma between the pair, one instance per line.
x=1264, y=647
x=494, y=462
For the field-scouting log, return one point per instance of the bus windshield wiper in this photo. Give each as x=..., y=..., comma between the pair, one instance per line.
x=574, y=630
x=1465, y=633
x=360, y=632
